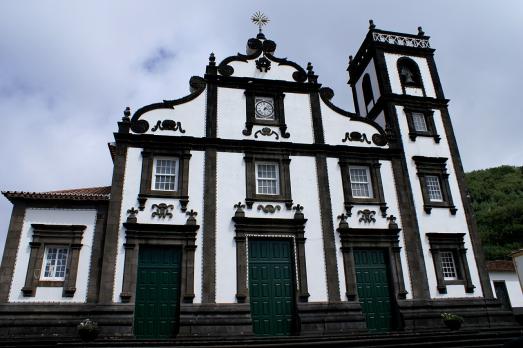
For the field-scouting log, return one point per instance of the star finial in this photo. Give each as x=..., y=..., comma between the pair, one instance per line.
x=259, y=19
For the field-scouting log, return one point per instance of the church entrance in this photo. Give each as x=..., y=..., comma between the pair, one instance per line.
x=374, y=290
x=271, y=286
x=157, y=291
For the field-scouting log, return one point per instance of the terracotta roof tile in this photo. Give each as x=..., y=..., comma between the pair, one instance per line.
x=500, y=266
x=81, y=194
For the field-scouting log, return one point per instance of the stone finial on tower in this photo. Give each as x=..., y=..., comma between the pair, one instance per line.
x=371, y=24
x=421, y=32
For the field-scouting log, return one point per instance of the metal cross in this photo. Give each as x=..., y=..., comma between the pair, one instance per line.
x=259, y=19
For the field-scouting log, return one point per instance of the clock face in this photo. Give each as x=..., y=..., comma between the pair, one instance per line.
x=264, y=108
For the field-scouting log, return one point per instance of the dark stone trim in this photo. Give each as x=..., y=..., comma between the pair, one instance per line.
x=356, y=238
x=469, y=213
x=211, y=114
x=113, y=227
x=137, y=234
x=268, y=228
x=429, y=121
x=10, y=250
x=327, y=228
x=43, y=235
x=454, y=243
x=283, y=162
x=434, y=166
x=375, y=176
x=93, y=286
x=246, y=82
x=209, y=232
x=197, y=85
x=409, y=221
x=382, y=74
x=182, y=191
x=279, y=110
x=317, y=125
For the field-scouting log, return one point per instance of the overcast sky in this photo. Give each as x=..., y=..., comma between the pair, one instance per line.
x=69, y=68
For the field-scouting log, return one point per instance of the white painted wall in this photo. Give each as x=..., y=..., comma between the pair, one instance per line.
x=371, y=70
x=231, y=174
x=440, y=220
x=46, y=216
x=232, y=117
x=277, y=72
x=335, y=126
x=190, y=114
x=391, y=60
x=513, y=286
x=132, y=176
x=337, y=199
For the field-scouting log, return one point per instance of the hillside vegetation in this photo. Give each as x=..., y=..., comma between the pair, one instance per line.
x=497, y=200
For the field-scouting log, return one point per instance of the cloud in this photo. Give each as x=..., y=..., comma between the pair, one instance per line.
x=159, y=61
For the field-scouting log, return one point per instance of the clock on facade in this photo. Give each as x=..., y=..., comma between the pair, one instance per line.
x=264, y=108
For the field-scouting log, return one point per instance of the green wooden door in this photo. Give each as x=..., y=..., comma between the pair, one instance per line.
x=373, y=288
x=157, y=292
x=271, y=287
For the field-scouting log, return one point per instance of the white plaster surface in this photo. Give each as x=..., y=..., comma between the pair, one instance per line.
x=395, y=83
x=371, y=70
x=515, y=293
x=277, y=72
x=335, y=126
x=191, y=115
x=46, y=216
x=440, y=220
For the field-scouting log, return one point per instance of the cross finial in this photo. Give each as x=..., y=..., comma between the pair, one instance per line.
x=260, y=19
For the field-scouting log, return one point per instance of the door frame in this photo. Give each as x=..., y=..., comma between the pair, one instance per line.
x=137, y=234
x=270, y=228
x=369, y=238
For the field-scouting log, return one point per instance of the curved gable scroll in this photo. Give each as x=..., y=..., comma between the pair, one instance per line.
x=138, y=125
x=262, y=53
x=343, y=133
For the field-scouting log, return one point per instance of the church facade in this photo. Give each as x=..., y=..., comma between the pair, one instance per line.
x=255, y=206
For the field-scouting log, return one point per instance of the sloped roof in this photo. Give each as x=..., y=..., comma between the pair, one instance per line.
x=500, y=266
x=80, y=194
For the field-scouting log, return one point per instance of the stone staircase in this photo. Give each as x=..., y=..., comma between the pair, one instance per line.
x=463, y=338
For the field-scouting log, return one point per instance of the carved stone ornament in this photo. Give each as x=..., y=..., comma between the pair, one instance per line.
x=343, y=221
x=367, y=216
x=298, y=208
x=239, y=209
x=392, y=221
x=379, y=139
x=162, y=210
x=266, y=131
x=132, y=215
x=191, y=220
x=356, y=136
x=168, y=125
x=263, y=64
x=269, y=208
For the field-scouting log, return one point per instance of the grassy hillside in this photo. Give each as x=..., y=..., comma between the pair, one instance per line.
x=497, y=200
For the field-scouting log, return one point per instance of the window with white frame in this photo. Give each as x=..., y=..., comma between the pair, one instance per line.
x=360, y=182
x=55, y=263
x=267, y=178
x=448, y=265
x=434, y=188
x=419, y=122
x=165, y=174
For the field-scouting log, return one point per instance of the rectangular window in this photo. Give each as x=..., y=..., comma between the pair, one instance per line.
x=418, y=120
x=434, y=188
x=55, y=261
x=448, y=266
x=360, y=182
x=165, y=174
x=267, y=179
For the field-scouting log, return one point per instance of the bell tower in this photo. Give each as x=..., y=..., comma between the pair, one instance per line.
x=395, y=83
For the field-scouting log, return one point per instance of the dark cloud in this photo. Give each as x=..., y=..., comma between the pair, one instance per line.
x=68, y=69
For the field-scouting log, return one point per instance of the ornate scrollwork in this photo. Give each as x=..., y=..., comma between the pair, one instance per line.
x=140, y=126
x=379, y=139
x=168, y=125
x=266, y=131
x=263, y=64
x=132, y=215
x=355, y=136
x=269, y=208
x=367, y=216
x=162, y=210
